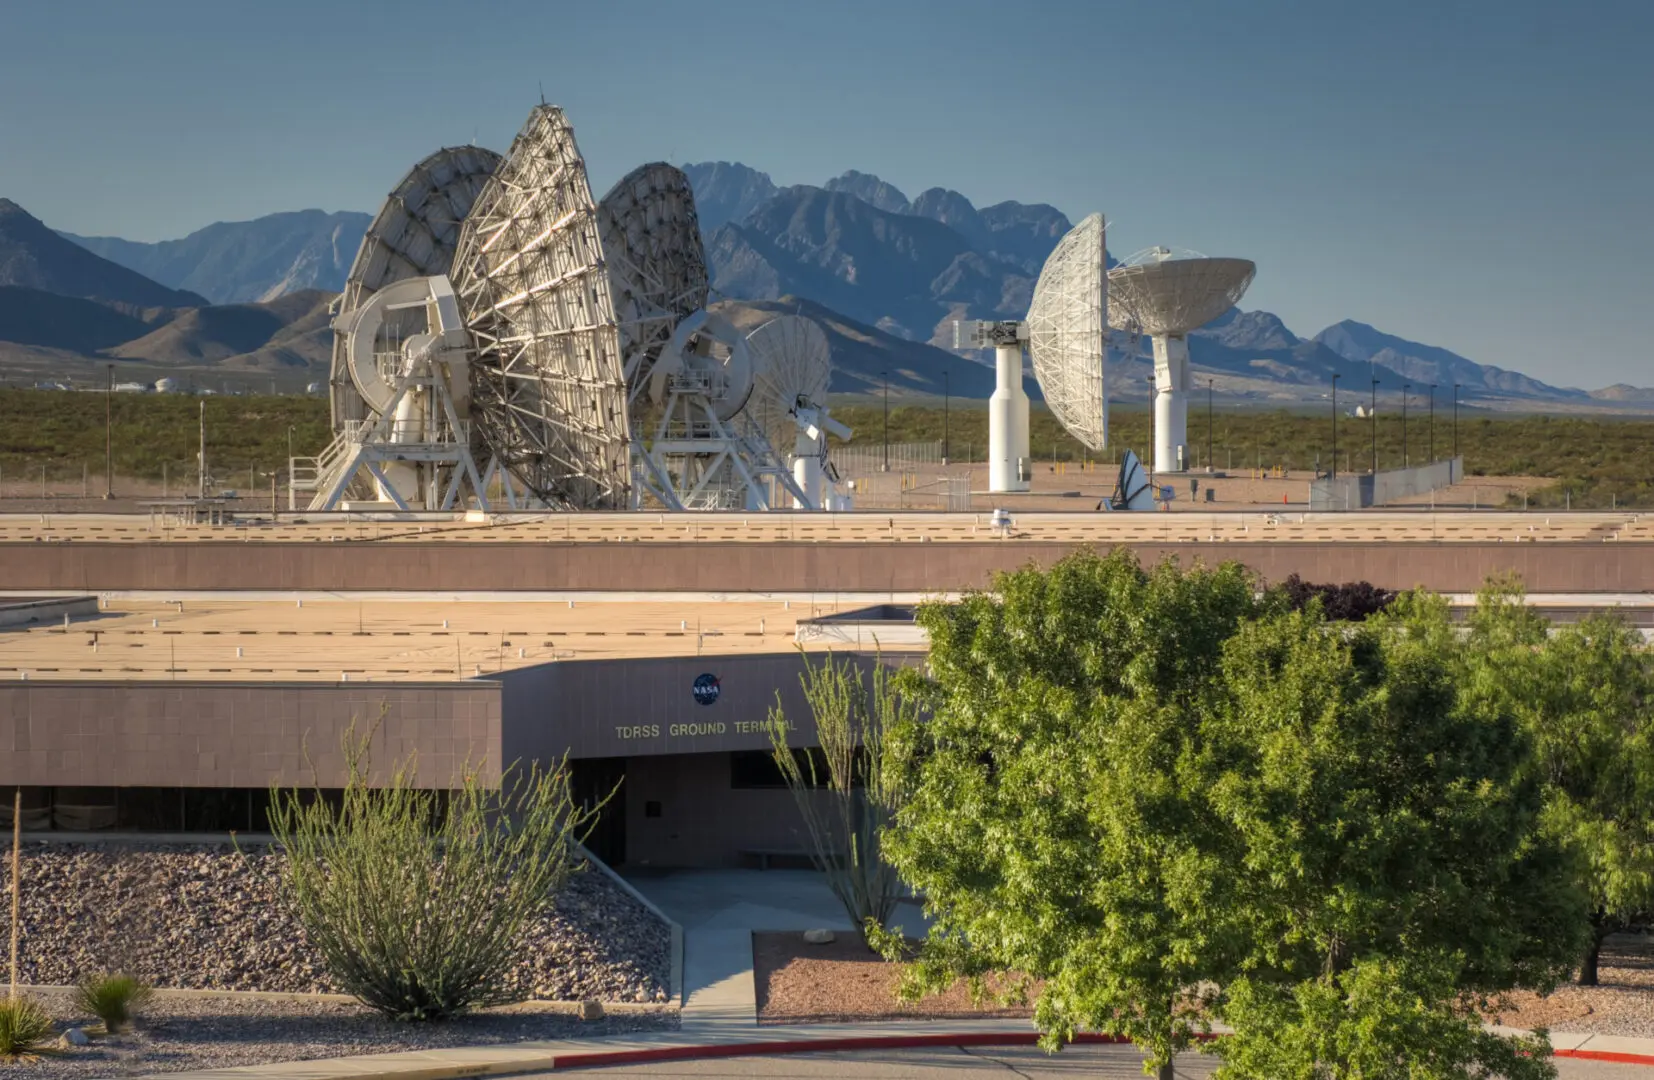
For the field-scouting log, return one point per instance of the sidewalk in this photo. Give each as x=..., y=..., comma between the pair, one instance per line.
x=711, y=1040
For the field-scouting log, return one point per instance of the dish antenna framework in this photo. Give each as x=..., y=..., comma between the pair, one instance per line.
x=794, y=365
x=398, y=386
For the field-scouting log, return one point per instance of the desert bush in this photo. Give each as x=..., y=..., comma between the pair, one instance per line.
x=417, y=899
x=113, y=999
x=24, y=1026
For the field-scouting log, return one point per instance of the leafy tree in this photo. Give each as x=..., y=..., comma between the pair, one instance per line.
x=1352, y=601
x=1172, y=799
x=844, y=793
x=1392, y=870
x=1585, y=693
x=1054, y=816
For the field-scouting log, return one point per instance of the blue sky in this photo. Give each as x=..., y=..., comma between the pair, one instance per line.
x=1472, y=175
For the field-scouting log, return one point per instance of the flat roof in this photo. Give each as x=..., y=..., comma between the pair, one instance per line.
x=861, y=527
x=405, y=640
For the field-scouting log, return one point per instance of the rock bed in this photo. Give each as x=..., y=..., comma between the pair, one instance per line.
x=206, y=917
x=1621, y=1004
x=175, y=1033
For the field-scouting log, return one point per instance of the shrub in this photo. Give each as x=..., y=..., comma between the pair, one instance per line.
x=24, y=1027
x=417, y=899
x=1353, y=601
x=112, y=999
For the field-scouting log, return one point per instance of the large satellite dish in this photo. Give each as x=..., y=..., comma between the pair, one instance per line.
x=413, y=235
x=548, y=392
x=657, y=267
x=1165, y=294
x=1066, y=332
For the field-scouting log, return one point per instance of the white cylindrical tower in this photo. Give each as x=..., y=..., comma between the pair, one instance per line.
x=807, y=470
x=1171, y=403
x=1007, y=421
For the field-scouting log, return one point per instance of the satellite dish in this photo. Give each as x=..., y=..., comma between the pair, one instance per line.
x=548, y=389
x=413, y=235
x=1066, y=332
x=1132, y=491
x=706, y=358
x=657, y=265
x=794, y=365
x=1165, y=294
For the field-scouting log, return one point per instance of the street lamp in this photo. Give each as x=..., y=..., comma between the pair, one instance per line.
x=885, y=375
x=945, y=454
x=1208, y=425
x=109, y=435
x=1431, y=427
x=1334, y=470
x=1405, y=387
x=1374, y=418
x=1455, y=421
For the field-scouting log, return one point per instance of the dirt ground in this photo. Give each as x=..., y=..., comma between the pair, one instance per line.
x=797, y=982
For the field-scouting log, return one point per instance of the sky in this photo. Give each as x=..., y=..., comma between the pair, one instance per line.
x=1474, y=175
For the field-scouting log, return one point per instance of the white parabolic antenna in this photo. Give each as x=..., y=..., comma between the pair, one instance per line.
x=548, y=391
x=1066, y=332
x=1165, y=294
x=794, y=367
x=413, y=235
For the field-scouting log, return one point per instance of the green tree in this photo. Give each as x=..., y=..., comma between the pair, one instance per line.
x=1054, y=816
x=843, y=791
x=1585, y=693
x=1392, y=870
x=1172, y=799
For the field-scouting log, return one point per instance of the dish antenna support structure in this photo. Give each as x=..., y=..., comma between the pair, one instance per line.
x=1166, y=294
x=794, y=365
x=1065, y=334
x=399, y=384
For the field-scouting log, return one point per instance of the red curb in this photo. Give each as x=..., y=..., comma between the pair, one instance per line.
x=1606, y=1055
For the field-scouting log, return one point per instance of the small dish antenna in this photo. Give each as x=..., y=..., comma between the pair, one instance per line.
x=789, y=405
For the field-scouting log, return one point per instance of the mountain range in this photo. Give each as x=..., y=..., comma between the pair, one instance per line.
x=886, y=275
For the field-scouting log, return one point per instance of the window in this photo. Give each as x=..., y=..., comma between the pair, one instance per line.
x=757, y=770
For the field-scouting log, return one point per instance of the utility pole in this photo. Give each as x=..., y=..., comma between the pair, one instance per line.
x=1406, y=387
x=945, y=447
x=201, y=458
x=1335, y=378
x=1374, y=419
x=109, y=435
x=1431, y=427
x=885, y=376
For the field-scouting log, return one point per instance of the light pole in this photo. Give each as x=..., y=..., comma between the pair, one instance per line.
x=885, y=375
x=109, y=435
x=1334, y=470
x=1208, y=425
x=1455, y=421
x=1431, y=427
x=1374, y=418
x=945, y=454
x=1405, y=388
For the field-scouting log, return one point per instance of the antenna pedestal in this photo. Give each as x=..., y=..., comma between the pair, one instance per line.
x=1008, y=422
x=1171, y=403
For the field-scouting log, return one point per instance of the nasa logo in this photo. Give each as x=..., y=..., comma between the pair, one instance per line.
x=707, y=688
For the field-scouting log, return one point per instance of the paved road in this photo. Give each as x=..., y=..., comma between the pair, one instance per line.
x=1113, y=1062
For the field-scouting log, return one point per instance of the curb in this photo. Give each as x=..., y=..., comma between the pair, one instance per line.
x=576, y=1059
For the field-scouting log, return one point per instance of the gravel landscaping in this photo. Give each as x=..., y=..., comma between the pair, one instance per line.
x=1623, y=1003
x=204, y=917
x=178, y=1033
x=800, y=983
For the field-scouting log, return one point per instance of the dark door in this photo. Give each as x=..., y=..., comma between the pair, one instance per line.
x=591, y=781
